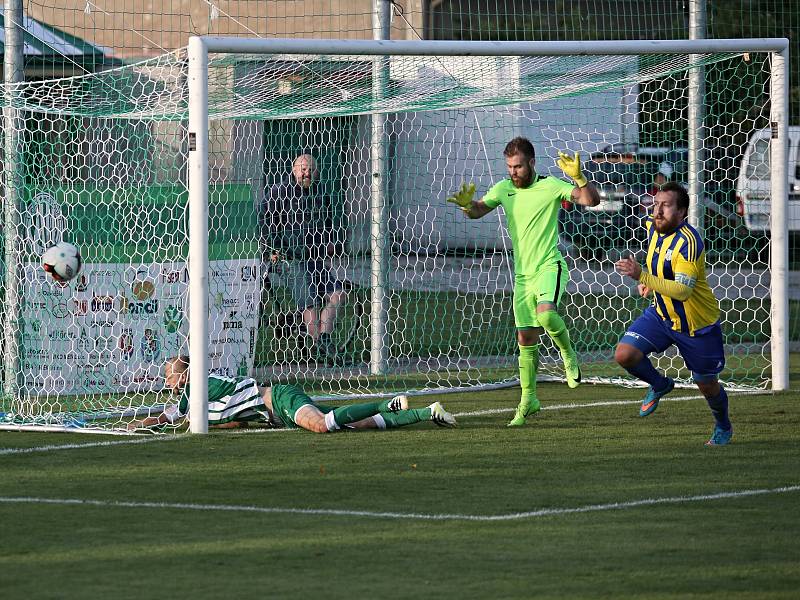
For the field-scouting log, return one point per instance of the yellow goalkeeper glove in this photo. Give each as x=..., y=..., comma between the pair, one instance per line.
x=463, y=197
x=572, y=167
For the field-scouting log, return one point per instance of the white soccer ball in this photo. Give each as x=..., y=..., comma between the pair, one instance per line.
x=62, y=261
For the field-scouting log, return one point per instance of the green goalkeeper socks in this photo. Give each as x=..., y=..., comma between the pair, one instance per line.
x=528, y=365
x=554, y=326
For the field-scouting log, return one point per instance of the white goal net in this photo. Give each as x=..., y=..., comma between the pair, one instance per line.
x=356, y=277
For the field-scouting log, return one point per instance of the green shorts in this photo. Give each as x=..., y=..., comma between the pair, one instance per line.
x=546, y=285
x=287, y=400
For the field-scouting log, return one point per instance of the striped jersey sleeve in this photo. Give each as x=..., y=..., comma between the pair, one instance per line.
x=230, y=399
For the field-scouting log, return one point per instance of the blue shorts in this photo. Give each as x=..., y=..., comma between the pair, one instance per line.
x=703, y=352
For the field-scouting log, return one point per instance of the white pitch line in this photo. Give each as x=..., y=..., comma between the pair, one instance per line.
x=138, y=440
x=544, y=512
x=494, y=411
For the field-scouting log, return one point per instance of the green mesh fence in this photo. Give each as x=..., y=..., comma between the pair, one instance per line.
x=77, y=37
x=104, y=157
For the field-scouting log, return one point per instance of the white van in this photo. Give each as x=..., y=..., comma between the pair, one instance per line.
x=753, y=187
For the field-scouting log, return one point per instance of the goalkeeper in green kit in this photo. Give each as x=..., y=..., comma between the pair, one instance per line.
x=238, y=402
x=531, y=203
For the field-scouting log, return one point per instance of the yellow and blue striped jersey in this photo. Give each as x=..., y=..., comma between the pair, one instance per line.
x=680, y=256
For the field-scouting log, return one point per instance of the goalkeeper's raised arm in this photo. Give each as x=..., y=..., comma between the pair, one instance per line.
x=584, y=192
x=464, y=199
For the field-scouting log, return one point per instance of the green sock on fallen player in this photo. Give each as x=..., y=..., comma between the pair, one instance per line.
x=351, y=413
x=406, y=417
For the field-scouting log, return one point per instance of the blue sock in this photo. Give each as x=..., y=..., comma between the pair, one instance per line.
x=719, y=408
x=645, y=371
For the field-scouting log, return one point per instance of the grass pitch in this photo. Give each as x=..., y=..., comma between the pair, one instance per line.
x=478, y=512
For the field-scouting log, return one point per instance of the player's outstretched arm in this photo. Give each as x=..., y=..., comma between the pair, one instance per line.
x=585, y=194
x=230, y=425
x=148, y=422
x=680, y=289
x=464, y=199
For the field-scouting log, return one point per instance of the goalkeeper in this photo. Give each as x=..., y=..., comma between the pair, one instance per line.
x=238, y=402
x=531, y=203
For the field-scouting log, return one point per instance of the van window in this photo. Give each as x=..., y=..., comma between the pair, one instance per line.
x=758, y=165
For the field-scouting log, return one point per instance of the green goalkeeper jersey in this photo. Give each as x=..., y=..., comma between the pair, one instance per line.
x=230, y=400
x=532, y=216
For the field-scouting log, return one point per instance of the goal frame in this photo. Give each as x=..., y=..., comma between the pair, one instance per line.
x=200, y=47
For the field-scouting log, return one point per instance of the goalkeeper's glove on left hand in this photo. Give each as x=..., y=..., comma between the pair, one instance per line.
x=572, y=167
x=463, y=197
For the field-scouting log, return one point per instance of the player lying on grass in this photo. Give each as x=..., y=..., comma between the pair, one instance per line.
x=684, y=312
x=239, y=402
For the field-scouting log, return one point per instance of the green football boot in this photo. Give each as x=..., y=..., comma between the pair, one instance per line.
x=525, y=408
x=572, y=369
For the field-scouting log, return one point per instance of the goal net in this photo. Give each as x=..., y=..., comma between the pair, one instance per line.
x=357, y=277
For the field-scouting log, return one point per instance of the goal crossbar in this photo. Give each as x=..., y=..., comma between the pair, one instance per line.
x=450, y=48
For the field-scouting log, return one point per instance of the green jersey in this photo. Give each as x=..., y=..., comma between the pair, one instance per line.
x=229, y=400
x=532, y=216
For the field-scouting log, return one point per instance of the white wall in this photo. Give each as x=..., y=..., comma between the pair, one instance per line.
x=438, y=151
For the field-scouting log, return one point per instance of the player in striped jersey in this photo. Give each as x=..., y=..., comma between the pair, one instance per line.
x=238, y=402
x=684, y=311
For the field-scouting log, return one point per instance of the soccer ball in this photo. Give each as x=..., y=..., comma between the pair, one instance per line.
x=62, y=261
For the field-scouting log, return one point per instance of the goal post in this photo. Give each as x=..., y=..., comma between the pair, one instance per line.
x=198, y=232
x=175, y=178
x=200, y=48
x=779, y=218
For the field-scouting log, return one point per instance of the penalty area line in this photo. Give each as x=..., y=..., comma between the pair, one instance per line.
x=544, y=512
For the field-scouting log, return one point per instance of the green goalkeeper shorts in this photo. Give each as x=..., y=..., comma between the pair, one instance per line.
x=546, y=285
x=287, y=400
